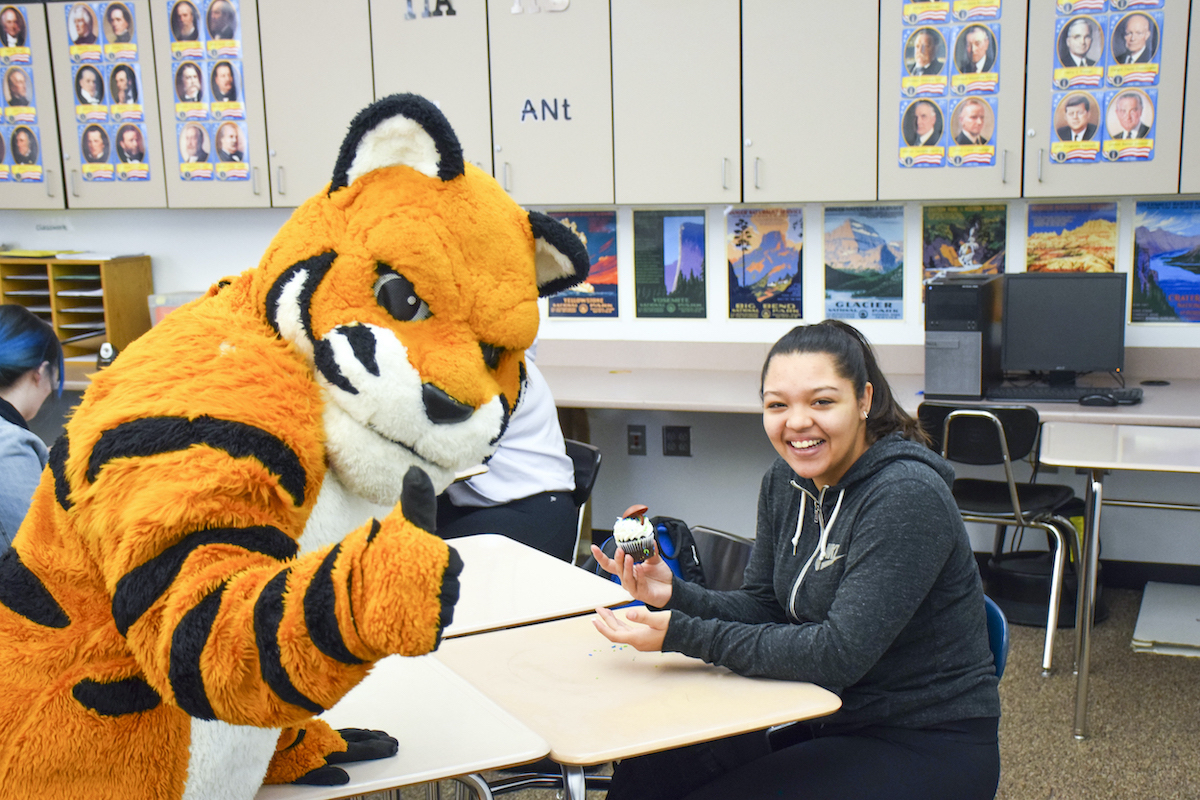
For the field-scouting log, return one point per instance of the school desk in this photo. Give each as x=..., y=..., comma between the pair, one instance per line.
x=594, y=701
x=445, y=726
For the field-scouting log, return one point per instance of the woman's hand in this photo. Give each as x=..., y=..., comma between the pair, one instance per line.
x=646, y=637
x=649, y=581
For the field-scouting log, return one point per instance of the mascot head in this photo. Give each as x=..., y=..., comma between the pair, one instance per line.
x=410, y=286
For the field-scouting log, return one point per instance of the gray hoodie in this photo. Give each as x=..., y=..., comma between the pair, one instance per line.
x=876, y=597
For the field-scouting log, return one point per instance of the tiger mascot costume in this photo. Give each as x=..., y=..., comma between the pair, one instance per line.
x=189, y=588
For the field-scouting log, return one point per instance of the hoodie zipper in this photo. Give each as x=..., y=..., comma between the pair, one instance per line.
x=823, y=526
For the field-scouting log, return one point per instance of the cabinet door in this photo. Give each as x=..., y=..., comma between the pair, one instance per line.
x=993, y=100
x=409, y=38
x=552, y=100
x=1161, y=106
x=676, y=80
x=333, y=72
x=214, y=148
x=30, y=131
x=112, y=150
x=1189, y=174
x=808, y=100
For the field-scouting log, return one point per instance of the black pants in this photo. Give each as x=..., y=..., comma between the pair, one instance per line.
x=547, y=521
x=956, y=761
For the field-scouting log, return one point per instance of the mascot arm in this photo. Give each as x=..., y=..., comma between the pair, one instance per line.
x=232, y=625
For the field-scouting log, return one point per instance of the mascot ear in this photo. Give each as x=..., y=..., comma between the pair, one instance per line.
x=399, y=129
x=562, y=259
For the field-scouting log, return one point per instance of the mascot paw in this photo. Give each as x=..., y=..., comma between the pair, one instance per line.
x=361, y=745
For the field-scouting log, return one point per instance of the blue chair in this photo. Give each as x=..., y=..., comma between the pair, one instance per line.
x=997, y=627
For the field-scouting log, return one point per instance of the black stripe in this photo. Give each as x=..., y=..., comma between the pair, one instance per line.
x=129, y=696
x=316, y=267
x=58, y=468
x=144, y=584
x=187, y=644
x=320, y=616
x=375, y=526
x=449, y=593
x=362, y=343
x=326, y=364
x=25, y=594
x=155, y=435
x=300, y=734
x=268, y=614
x=418, y=500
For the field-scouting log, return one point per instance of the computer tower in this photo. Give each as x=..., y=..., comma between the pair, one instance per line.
x=963, y=315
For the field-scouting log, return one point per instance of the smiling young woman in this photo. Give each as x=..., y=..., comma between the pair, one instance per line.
x=861, y=580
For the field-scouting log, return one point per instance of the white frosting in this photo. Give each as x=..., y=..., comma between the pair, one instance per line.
x=630, y=529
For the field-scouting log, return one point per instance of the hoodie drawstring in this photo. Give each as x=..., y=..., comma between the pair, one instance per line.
x=825, y=528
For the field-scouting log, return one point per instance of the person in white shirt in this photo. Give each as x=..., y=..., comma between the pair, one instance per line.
x=1076, y=43
x=1139, y=48
x=1078, y=112
x=927, y=125
x=526, y=492
x=978, y=54
x=1128, y=108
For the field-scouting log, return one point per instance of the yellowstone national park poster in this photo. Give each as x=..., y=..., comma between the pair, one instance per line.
x=1071, y=237
x=597, y=296
x=1166, y=262
x=763, y=247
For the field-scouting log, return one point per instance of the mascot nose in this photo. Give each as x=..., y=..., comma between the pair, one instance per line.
x=441, y=408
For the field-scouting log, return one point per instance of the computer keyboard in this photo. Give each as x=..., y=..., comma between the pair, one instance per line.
x=1064, y=394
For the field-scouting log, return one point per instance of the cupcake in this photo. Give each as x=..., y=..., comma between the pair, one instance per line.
x=635, y=534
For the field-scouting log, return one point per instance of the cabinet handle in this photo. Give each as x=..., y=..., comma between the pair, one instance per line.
x=74, y=188
x=724, y=167
x=507, y=168
x=756, y=160
x=279, y=184
x=1004, y=167
x=254, y=179
x=49, y=183
x=1040, y=152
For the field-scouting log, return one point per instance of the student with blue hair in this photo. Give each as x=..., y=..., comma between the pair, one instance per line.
x=31, y=366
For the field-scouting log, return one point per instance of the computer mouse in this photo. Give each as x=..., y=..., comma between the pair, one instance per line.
x=1097, y=400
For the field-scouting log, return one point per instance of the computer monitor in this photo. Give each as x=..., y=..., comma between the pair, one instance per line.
x=1063, y=323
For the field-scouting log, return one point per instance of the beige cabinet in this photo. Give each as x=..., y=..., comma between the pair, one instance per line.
x=676, y=104
x=313, y=87
x=421, y=48
x=990, y=102
x=112, y=154
x=38, y=184
x=552, y=100
x=1189, y=174
x=808, y=100
x=1161, y=105
x=194, y=131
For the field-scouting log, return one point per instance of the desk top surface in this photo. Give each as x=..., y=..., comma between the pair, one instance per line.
x=594, y=701
x=737, y=391
x=445, y=727
x=1151, y=448
x=506, y=583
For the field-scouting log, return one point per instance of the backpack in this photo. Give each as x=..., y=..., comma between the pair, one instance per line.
x=675, y=545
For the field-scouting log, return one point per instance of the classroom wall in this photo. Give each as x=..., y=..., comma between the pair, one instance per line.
x=718, y=484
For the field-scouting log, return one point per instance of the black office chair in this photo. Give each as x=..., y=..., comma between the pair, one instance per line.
x=990, y=435
x=722, y=555
x=586, y=458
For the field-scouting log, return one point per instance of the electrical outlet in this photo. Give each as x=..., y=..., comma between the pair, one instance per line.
x=635, y=436
x=677, y=440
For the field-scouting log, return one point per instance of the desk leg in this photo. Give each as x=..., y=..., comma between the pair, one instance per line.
x=574, y=783
x=1085, y=613
x=475, y=782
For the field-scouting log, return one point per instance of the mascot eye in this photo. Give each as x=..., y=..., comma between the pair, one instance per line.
x=398, y=297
